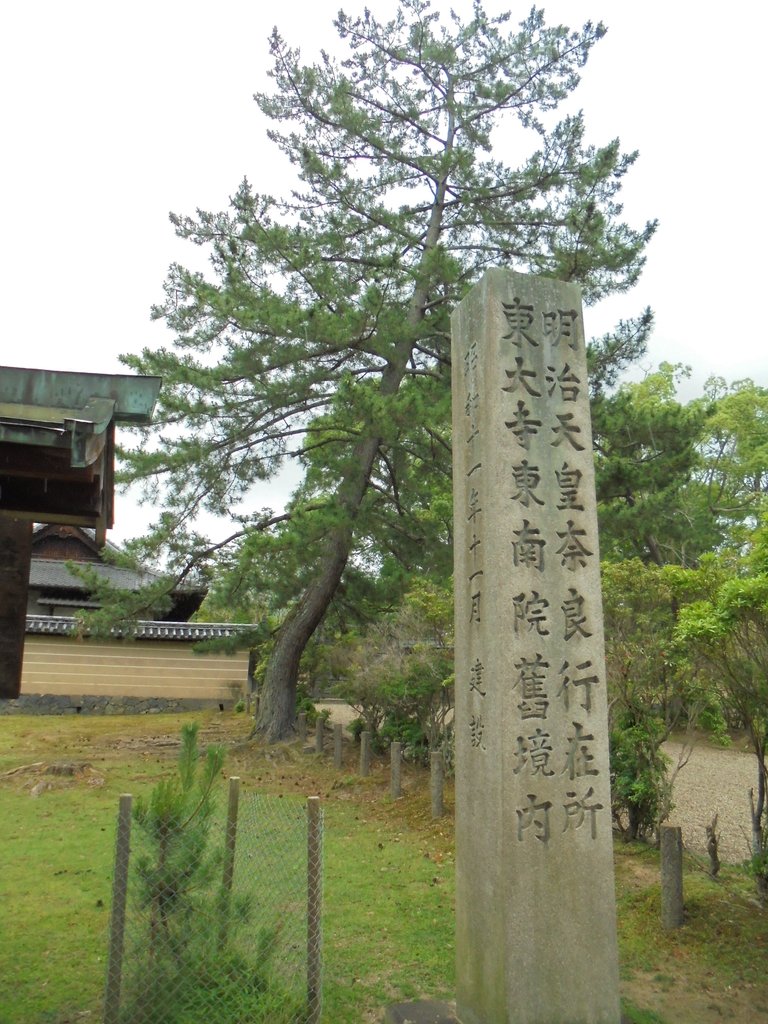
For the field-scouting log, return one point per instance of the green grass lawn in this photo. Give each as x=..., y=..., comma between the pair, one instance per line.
x=389, y=883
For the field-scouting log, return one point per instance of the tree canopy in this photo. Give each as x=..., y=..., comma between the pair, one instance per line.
x=320, y=332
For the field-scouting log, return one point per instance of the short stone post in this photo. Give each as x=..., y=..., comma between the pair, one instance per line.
x=302, y=724
x=365, y=753
x=319, y=734
x=437, y=779
x=338, y=744
x=395, y=758
x=671, y=876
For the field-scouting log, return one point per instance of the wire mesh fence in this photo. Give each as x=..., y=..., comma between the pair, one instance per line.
x=218, y=924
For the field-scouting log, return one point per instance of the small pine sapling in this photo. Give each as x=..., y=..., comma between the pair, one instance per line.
x=178, y=864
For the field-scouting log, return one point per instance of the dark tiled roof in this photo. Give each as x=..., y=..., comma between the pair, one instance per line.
x=52, y=573
x=65, y=625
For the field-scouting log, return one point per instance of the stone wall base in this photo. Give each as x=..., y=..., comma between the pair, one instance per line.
x=50, y=704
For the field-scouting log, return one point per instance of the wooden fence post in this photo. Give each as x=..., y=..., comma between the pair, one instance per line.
x=671, y=876
x=395, y=752
x=230, y=843
x=338, y=744
x=319, y=734
x=117, y=918
x=314, y=908
x=437, y=777
x=365, y=753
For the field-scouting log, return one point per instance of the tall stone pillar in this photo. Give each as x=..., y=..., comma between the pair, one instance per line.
x=536, y=923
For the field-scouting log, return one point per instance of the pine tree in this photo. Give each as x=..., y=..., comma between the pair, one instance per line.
x=322, y=332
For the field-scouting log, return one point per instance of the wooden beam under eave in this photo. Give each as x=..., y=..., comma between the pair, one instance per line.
x=15, y=556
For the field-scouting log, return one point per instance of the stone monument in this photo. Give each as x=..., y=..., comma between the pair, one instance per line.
x=535, y=905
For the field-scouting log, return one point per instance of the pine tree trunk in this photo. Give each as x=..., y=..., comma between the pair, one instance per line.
x=277, y=707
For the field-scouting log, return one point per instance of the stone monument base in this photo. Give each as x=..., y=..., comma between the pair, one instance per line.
x=423, y=1011
x=430, y=1011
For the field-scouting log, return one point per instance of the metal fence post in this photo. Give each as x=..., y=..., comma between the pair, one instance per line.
x=314, y=909
x=117, y=918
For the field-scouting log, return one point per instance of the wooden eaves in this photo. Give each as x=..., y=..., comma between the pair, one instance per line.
x=57, y=436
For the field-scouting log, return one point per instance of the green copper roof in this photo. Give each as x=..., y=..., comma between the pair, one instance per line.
x=134, y=396
x=62, y=409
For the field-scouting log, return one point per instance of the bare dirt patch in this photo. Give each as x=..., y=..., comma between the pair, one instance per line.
x=40, y=776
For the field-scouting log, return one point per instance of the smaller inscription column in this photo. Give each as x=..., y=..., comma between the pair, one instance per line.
x=536, y=929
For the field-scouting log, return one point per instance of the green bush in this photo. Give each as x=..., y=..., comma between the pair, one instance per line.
x=305, y=705
x=639, y=789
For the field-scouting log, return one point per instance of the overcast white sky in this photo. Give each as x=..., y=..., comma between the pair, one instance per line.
x=113, y=114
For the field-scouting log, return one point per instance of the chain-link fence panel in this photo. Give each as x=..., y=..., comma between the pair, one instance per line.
x=218, y=921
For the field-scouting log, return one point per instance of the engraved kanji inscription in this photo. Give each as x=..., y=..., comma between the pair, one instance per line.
x=528, y=549
x=474, y=505
x=567, y=382
x=578, y=758
x=474, y=606
x=534, y=751
x=530, y=612
x=532, y=680
x=577, y=809
x=523, y=426
x=558, y=326
x=573, y=552
x=566, y=431
x=568, y=481
x=527, y=479
x=476, y=730
x=534, y=816
x=476, y=672
x=575, y=619
x=470, y=361
x=521, y=379
x=520, y=320
x=575, y=677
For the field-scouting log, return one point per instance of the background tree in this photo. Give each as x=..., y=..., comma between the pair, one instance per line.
x=322, y=332
x=727, y=636
x=399, y=674
x=651, y=691
x=646, y=451
x=731, y=482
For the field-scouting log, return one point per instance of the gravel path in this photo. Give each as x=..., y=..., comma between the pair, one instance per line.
x=715, y=781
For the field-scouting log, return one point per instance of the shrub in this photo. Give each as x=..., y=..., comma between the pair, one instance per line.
x=640, y=792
